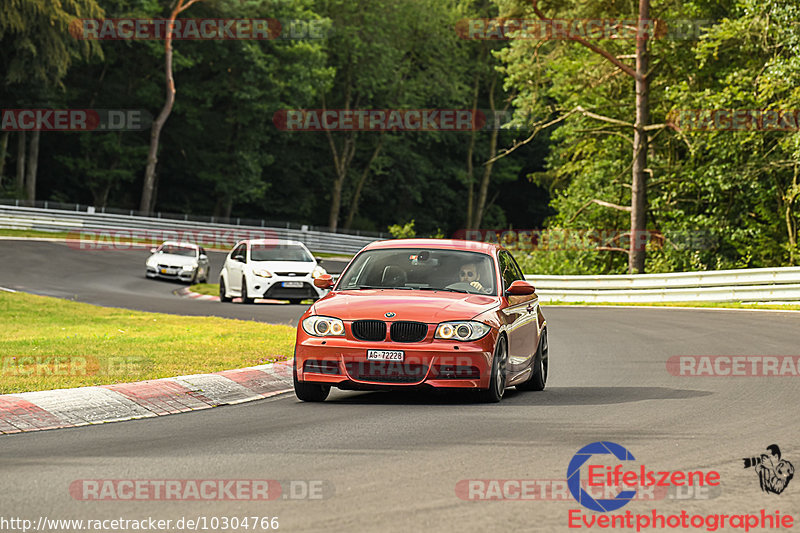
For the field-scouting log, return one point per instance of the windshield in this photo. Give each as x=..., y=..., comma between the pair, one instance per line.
x=421, y=269
x=279, y=252
x=178, y=250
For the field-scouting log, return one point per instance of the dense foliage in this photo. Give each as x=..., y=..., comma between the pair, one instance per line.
x=717, y=199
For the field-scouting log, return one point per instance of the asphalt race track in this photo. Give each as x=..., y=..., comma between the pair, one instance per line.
x=116, y=279
x=392, y=461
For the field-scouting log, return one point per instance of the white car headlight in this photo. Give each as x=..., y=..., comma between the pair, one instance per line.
x=466, y=330
x=189, y=267
x=318, y=271
x=263, y=273
x=323, y=326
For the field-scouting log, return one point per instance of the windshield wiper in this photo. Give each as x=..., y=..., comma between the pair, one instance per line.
x=446, y=289
x=377, y=287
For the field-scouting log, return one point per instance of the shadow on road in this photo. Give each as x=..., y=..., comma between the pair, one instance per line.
x=557, y=396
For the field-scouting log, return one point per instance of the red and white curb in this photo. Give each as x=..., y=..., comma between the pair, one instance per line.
x=36, y=411
x=188, y=293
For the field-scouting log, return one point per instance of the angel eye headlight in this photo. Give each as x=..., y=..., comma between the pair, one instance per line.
x=467, y=330
x=323, y=326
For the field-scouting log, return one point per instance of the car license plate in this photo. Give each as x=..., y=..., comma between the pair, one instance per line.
x=293, y=284
x=385, y=355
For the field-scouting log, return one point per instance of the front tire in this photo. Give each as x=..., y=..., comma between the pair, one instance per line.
x=541, y=363
x=497, y=383
x=246, y=299
x=309, y=392
x=222, y=293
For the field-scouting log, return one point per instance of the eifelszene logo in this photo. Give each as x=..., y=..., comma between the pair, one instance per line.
x=602, y=475
x=774, y=473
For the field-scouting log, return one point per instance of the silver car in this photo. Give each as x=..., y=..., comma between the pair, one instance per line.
x=178, y=260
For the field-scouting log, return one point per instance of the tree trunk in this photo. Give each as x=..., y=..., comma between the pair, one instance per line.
x=487, y=169
x=336, y=203
x=21, y=163
x=33, y=164
x=638, y=237
x=3, y=151
x=470, y=152
x=148, y=201
x=360, y=184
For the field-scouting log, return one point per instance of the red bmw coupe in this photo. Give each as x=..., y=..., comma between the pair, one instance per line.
x=423, y=313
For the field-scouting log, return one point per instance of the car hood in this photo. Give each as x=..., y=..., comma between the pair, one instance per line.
x=422, y=306
x=172, y=260
x=284, y=266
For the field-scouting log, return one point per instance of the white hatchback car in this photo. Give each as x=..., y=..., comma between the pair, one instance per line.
x=178, y=260
x=270, y=268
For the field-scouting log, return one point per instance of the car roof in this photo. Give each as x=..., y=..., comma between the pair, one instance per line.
x=180, y=243
x=447, y=244
x=271, y=242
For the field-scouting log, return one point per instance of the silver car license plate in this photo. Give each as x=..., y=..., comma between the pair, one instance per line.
x=293, y=284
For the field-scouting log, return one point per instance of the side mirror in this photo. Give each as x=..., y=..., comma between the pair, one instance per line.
x=153, y=250
x=325, y=281
x=239, y=258
x=203, y=256
x=318, y=260
x=520, y=288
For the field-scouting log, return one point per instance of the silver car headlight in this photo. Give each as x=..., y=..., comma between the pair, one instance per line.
x=323, y=326
x=318, y=271
x=263, y=273
x=465, y=330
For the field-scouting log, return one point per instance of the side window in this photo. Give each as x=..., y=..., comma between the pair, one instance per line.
x=517, y=269
x=508, y=269
x=239, y=250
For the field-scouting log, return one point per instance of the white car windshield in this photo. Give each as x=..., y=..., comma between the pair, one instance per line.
x=279, y=252
x=178, y=250
x=421, y=269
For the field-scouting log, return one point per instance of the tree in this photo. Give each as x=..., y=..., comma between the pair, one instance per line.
x=36, y=50
x=146, y=204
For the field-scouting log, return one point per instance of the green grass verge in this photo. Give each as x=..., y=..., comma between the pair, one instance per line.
x=211, y=289
x=49, y=343
x=715, y=305
x=33, y=233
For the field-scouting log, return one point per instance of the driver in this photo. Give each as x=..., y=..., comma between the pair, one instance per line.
x=468, y=273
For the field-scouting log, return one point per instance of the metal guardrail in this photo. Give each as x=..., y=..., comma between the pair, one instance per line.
x=745, y=285
x=118, y=226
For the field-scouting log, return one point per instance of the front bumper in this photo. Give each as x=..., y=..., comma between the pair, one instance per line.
x=273, y=288
x=342, y=363
x=165, y=273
